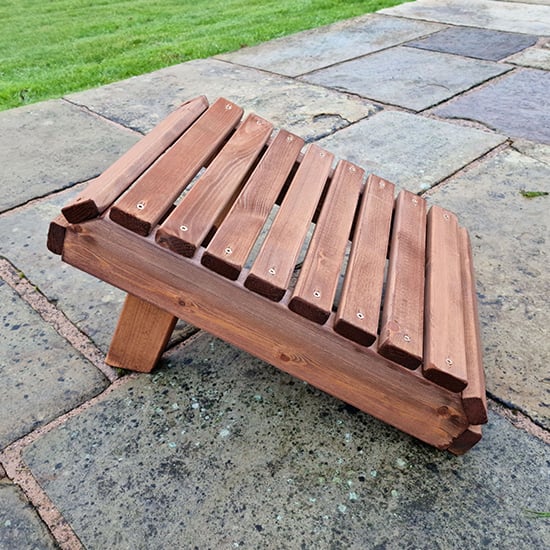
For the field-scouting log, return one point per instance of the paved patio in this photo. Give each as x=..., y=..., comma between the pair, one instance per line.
x=216, y=449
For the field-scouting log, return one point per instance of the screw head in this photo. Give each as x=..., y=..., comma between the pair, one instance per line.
x=316, y=293
x=183, y=228
x=140, y=205
x=360, y=315
x=271, y=271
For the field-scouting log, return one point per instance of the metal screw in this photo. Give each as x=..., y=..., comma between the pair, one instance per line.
x=316, y=293
x=228, y=107
x=407, y=338
x=381, y=184
x=446, y=216
x=140, y=205
x=228, y=250
x=360, y=315
x=289, y=138
x=322, y=154
x=184, y=227
x=352, y=169
x=449, y=361
x=271, y=271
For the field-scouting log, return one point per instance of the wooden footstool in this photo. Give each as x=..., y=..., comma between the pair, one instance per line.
x=245, y=233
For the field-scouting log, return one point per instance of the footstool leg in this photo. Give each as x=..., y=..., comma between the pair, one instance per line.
x=141, y=335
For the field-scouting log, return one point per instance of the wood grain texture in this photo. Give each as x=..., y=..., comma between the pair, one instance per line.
x=315, y=290
x=106, y=188
x=473, y=396
x=141, y=335
x=272, y=269
x=231, y=246
x=402, y=333
x=190, y=222
x=444, y=340
x=268, y=330
x=359, y=308
x=147, y=201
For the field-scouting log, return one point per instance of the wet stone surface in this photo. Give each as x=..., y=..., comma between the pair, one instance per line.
x=478, y=43
x=42, y=375
x=407, y=77
x=509, y=235
x=20, y=525
x=311, y=50
x=238, y=454
x=525, y=18
x=412, y=152
x=143, y=101
x=51, y=146
x=517, y=105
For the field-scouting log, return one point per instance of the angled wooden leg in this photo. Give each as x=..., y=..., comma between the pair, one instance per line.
x=141, y=335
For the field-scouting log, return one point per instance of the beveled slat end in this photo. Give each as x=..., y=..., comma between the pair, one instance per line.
x=397, y=354
x=127, y=220
x=475, y=409
x=466, y=440
x=443, y=378
x=351, y=332
x=56, y=235
x=261, y=286
x=308, y=310
x=220, y=266
x=175, y=243
x=80, y=211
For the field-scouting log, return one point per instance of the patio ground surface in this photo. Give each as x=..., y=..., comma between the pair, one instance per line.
x=216, y=449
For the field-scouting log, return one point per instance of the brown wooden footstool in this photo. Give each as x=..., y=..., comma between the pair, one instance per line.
x=246, y=233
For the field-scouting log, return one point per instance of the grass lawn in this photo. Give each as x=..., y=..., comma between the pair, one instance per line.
x=52, y=47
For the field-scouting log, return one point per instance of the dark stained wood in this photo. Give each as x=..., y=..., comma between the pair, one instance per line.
x=235, y=238
x=316, y=287
x=146, y=202
x=359, y=307
x=465, y=441
x=141, y=335
x=268, y=330
x=56, y=234
x=444, y=357
x=188, y=225
x=473, y=396
x=106, y=188
x=401, y=336
x=271, y=272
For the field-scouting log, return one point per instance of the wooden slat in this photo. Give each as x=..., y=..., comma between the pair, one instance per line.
x=106, y=188
x=145, y=203
x=267, y=330
x=188, y=225
x=229, y=249
x=316, y=287
x=270, y=274
x=401, y=336
x=444, y=358
x=465, y=441
x=473, y=396
x=56, y=234
x=359, y=308
x=141, y=335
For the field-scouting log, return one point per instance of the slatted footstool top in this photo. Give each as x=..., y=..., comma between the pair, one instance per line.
x=296, y=257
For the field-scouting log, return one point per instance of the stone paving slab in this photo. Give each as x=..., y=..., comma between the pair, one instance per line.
x=143, y=101
x=536, y=58
x=478, y=43
x=237, y=454
x=42, y=375
x=407, y=77
x=92, y=305
x=310, y=50
x=411, y=151
x=52, y=145
x=510, y=242
x=517, y=105
x=504, y=16
x=20, y=525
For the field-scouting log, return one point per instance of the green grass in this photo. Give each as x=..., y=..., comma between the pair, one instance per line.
x=52, y=47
